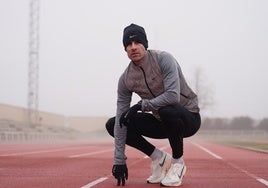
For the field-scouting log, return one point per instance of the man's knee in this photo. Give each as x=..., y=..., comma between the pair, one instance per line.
x=110, y=126
x=170, y=112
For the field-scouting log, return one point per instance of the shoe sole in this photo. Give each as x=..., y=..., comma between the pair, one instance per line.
x=153, y=182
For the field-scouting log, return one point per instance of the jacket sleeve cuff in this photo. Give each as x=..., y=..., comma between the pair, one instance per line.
x=145, y=105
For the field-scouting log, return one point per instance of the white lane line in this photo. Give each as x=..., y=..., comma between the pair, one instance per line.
x=37, y=152
x=206, y=150
x=91, y=153
x=261, y=180
x=93, y=183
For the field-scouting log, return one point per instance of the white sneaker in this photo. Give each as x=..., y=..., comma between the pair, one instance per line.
x=159, y=168
x=174, y=175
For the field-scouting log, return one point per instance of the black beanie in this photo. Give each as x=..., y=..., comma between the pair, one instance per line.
x=136, y=33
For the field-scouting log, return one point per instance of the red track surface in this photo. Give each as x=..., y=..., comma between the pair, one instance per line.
x=74, y=165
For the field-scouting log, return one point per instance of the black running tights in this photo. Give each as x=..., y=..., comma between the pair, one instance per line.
x=176, y=123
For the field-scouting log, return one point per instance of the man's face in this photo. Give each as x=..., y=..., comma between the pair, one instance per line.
x=136, y=52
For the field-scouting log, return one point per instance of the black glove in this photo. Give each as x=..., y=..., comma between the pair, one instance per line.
x=127, y=115
x=120, y=172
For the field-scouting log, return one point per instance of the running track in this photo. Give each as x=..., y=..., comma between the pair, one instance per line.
x=88, y=164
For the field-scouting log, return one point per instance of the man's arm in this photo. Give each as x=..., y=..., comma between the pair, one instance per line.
x=171, y=95
x=120, y=133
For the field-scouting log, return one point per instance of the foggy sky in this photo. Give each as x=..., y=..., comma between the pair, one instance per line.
x=82, y=55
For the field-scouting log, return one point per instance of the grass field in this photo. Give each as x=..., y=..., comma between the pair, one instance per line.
x=261, y=146
x=245, y=139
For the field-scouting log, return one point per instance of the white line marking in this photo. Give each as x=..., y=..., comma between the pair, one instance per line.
x=206, y=150
x=93, y=183
x=261, y=180
x=37, y=152
x=91, y=153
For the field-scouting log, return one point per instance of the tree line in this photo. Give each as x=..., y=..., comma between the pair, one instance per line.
x=205, y=93
x=236, y=123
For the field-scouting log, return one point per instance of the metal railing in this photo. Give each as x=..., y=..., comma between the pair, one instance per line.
x=35, y=136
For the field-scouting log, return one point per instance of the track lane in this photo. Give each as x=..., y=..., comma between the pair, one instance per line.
x=250, y=163
x=92, y=166
x=212, y=166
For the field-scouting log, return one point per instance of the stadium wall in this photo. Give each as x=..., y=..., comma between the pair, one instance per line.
x=85, y=124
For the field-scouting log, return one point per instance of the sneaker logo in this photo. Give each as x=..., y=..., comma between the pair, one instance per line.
x=162, y=164
x=181, y=174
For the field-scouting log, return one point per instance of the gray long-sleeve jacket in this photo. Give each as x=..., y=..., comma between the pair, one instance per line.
x=159, y=82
